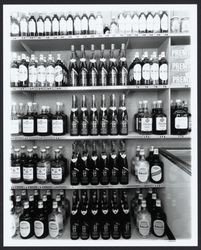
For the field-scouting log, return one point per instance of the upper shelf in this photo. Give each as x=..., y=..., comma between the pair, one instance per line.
x=56, y=43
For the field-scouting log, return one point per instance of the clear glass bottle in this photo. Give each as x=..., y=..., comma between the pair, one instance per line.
x=128, y=23
x=29, y=169
x=83, y=69
x=103, y=117
x=43, y=123
x=57, y=169
x=32, y=68
x=144, y=221
x=93, y=71
x=122, y=67
x=112, y=71
x=43, y=166
x=113, y=116
x=73, y=68
x=143, y=168
x=142, y=23
x=99, y=23
x=157, y=23
x=121, y=23
x=84, y=118
x=40, y=26
x=146, y=120
x=15, y=26
x=50, y=71
x=32, y=26
x=154, y=70
x=15, y=120
x=92, y=23
x=28, y=121
x=93, y=120
x=146, y=69
x=23, y=25
x=26, y=223
x=164, y=22
x=135, y=71
x=14, y=71
x=77, y=24
x=58, y=121
x=16, y=169
x=74, y=117
x=113, y=27
x=48, y=25
x=84, y=24
x=150, y=22
x=102, y=69
x=62, y=25
x=70, y=24
x=122, y=116
x=23, y=72
x=41, y=72
x=135, y=23
x=55, y=25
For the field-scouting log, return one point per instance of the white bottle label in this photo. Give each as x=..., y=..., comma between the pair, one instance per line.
x=156, y=173
x=56, y=174
x=62, y=25
x=32, y=74
x=157, y=24
x=53, y=229
x=42, y=125
x=142, y=23
x=161, y=123
x=25, y=228
x=164, y=22
x=159, y=227
x=15, y=172
x=32, y=26
x=41, y=73
x=28, y=174
x=146, y=71
x=144, y=227
x=164, y=72
x=55, y=25
x=57, y=126
x=40, y=26
x=137, y=72
x=23, y=26
x=58, y=73
x=50, y=74
x=154, y=71
x=150, y=23
x=14, y=73
x=146, y=124
x=28, y=126
x=38, y=228
x=15, y=126
x=143, y=174
x=84, y=23
x=181, y=122
x=48, y=25
x=70, y=25
x=23, y=74
x=42, y=173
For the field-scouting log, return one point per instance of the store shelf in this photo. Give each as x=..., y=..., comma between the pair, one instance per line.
x=186, y=86
x=68, y=137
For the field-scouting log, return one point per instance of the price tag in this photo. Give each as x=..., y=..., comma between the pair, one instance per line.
x=31, y=37
x=146, y=136
x=38, y=37
x=162, y=136
x=47, y=37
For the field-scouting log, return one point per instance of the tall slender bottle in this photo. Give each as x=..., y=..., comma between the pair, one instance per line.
x=135, y=71
x=59, y=72
x=23, y=72
x=84, y=24
x=94, y=166
x=32, y=68
x=93, y=121
x=84, y=165
x=26, y=223
x=84, y=119
x=123, y=164
x=93, y=71
x=123, y=68
x=113, y=116
x=103, y=117
x=73, y=69
x=125, y=218
x=122, y=116
x=146, y=69
x=48, y=25
x=40, y=26
x=114, y=167
x=74, y=117
x=104, y=166
x=50, y=72
x=32, y=26
x=74, y=166
x=102, y=69
x=41, y=72
x=75, y=218
x=14, y=72
x=105, y=217
x=41, y=222
x=163, y=69
x=83, y=70
x=154, y=70
x=115, y=217
x=112, y=71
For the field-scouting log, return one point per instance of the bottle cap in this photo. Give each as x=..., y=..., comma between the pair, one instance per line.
x=156, y=151
x=58, y=197
x=158, y=203
x=151, y=148
x=54, y=204
x=102, y=46
x=26, y=204
x=143, y=203
x=36, y=192
x=40, y=204
x=44, y=197
x=140, y=196
x=30, y=150
x=154, y=196
x=31, y=198
x=18, y=198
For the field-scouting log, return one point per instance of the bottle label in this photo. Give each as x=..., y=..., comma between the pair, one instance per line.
x=113, y=76
x=55, y=25
x=14, y=73
x=143, y=174
x=154, y=71
x=15, y=126
x=41, y=73
x=74, y=127
x=28, y=174
x=56, y=174
x=32, y=74
x=150, y=23
x=70, y=25
x=74, y=77
x=181, y=122
x=15, y=173
x=28, y=125
x=164, y=23
x=114, y=126
x=144, y=227
x=23, y=74
x=42, y=173
x=25, y=228
x=164, y=72
x=50, y=74
x=103, y=126
x=93, y=77
x=137, y=73
x=62, y=25
x=124, y=126
x=161, y=123
x=58, y=73
x=48, y=26
x=146, y=124
x=84, y=127
x=94, y=127
x=40, y=26
x=156, y=173
x=38, y=228
x=123, y=79
x=53, y=229
x=135, y=24
x=146, y=71
x=32, y=26
x=42, y=125
x=103, y=77
x=83, y=77
x=57, y=126
x=159, y=227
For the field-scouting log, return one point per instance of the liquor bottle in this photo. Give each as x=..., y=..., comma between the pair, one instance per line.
x=164, y=22
x=14, y=71
x=12, y=196
x=159, y=120
x=65, y=202
x=94, y=166
x=143, y=168
x=145, y=69
x=115, y=217
x=32, y=26
x=61, y=207
x=83, y=70
x=16, y=170
x=43, y=123
x=125, y=219
x=29, y=169
x=58, y=72
x=40, y=26
x=93, y=121
x=15, y=121
x=94, y=218
x=135, y=160
x=149, y=197
x=142, y=23
x=154, y=70
x=46, y=205
x=18, y=210
x=128, y=23
x=23, y=72
x=134, y=202
x=62, y=25
x=55, y=222
x=146, y=120
x=70, y=24
x=92, y=23
x=152, y=204
x=112, y=71
x=114, y=168
x=104, y=166
x=137, y=118
x=48, y=25
x=122, y=68
x=49, y=198
x=84, y=118
x=15, y=26
x=43, y=166
x=103, y=117
x=32, y=68
x=36, y=196
x=84, y=166
x=84, y=222
x=57, y=169
x=40, y=222
x=55, y=25
x=156, y=168
x=123, y=163
x=26, y=223
x=113, y=116
x=23, y=196
x=135, y=23
x=99, y=23
x=77, y=24
x=58, y=121
x=159, y=220
x=93, y=71
x=75, y=218
x=157, y=23
x=180, y=120
x=154, y=108
x=163, y=69
x=84, y=24
x=23, y=25
x=13, y=231
x=150, y=22
x=65, y=117
x=122, y=116
x=113, y=26
x=102, y=69
x=41, y=72
x=50, y=72
x=105, y=218
x=151, y=153
x=135, y=71
x=74, y=117
x=73, y=69
x=144, y=221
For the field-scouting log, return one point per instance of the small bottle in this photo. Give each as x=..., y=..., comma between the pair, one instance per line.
x=48, y=25
x=14, y=71
x=75, y=218
x=59, y=72
x=40, y=26
x=163, y=70
x=23, y=25
x=84, y=166
x=15, y=26
x=77, y=24
x=92, y=23
x=104, y=166
x=142, y=23
x=105, y=217
x=154, y=70
x=156, y=168
x=83, y=69
x=135, y=23
x=57, y=169
x=70, y=24
x=55, y=25
x=143, y=168
x=125, y=220
x=62, y=25
x=41, y=72
x=159, y=120
x=43, y=123
x=103, y=117
x=144, y=221
x=84, y=222
x=28, y=121
x=164, y=22
x=150, y=22
x=94, y=166
x=32, y=72
x=137, y=119
x=159, y=220
x=32, y=26
x=146, y=69
x=23, y=72
x=113, y=26
x=74, y=167
x=26, y=223
x=114, y=168
x=112, y=71
x=122, y=116
x=40, y=222
x=93, y=120
x=115, y=217
x=50, y=71
x=157, y=23
x=84, y=24
x=58, y=121
x=123, y=68
x=113, y=116
x=93, y=71
x=43, y=166
x=16, y=170
x=74, y=117
x=102, y=69
x=29, y=169
x=135, y=71
x=73, y=68
x=84, y=118
x=123, y=164
x=99, y=23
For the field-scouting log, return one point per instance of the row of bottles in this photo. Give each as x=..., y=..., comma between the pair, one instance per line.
x=27, y=72
x=27, y=166
x=39, y=215
x=47, y=24
x=148, y=215
x=147, y=169
x=33, y=123
x=104, y=214
x=103, y=168
x=150, y=123
x=180, y=118
x=105, y=122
